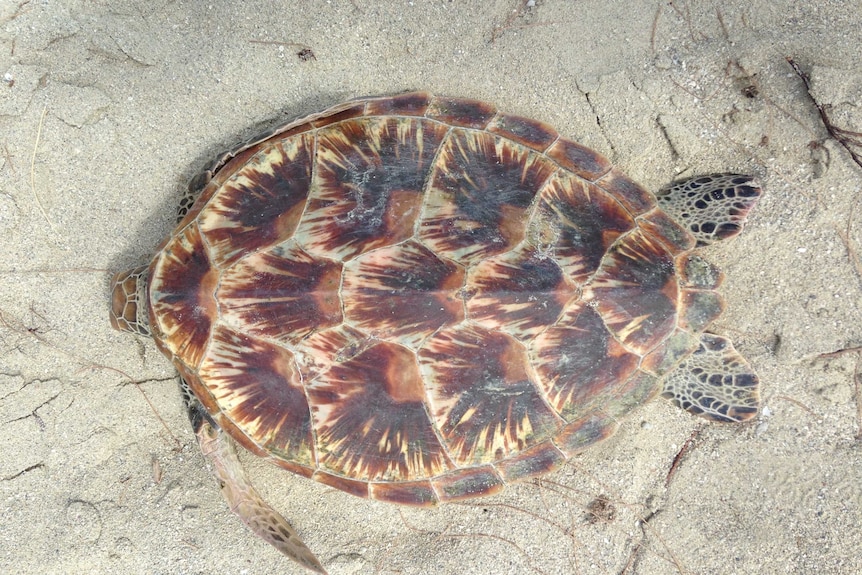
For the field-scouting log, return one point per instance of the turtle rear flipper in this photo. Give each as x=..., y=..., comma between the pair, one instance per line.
x=711, y=207
x=238, y=491
x=714, y=382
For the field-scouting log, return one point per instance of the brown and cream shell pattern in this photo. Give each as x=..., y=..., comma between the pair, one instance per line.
x=420, y=299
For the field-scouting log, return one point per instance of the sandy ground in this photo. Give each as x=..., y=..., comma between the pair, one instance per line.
x=108, y=108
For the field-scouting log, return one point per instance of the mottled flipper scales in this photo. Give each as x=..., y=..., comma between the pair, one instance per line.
x=240, y=494
x=714, y=382
x=712, y=207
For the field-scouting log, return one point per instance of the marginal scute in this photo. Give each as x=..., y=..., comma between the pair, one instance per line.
x=533, y=462
x=698, y=309
x=461, y=112
x=580, y=160
x=238, y=434
x=695, y=272
x=531, y=133
x=481, y=189
x=303, y=470
x=294, y=130
x=661, y=226
x=204, y=186
x=414, y=493
x=636, y=391
x=354, y=487
x=410, y=104
x=347, y=113
x=261, y=204
x=585, y=432
x=468, y=483
x=404, y=292
x=629, y=193
x=368, y=183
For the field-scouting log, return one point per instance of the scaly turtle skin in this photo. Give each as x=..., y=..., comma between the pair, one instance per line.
x=420, y=299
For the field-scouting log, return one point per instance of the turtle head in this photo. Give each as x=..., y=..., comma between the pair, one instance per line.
x=129, y=301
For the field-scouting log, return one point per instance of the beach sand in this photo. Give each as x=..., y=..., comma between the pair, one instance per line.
x=106, y=111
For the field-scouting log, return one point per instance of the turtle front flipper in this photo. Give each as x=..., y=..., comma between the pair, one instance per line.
x=240, y=494
x=711, y=207
x=714, y=382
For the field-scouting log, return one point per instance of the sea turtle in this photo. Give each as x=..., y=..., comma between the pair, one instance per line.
x=420, y=299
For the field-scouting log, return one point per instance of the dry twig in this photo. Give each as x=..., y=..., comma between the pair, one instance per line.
x=848, y=139
x=857, y=386
x=684, y=450
x=33, y=170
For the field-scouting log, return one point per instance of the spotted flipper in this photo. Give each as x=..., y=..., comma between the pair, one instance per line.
x=241, y=496
x=712, y=207
x=714, y=382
